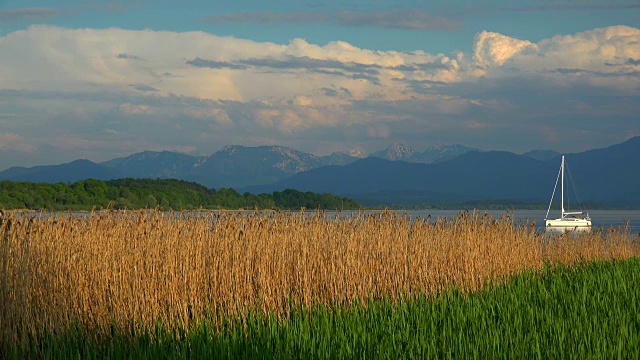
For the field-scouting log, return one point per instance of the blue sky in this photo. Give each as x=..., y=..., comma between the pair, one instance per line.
x=104, y=79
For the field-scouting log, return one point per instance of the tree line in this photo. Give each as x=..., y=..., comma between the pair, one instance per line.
x=148, y=193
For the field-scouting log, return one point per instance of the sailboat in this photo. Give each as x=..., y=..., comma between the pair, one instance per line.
x=568, y=221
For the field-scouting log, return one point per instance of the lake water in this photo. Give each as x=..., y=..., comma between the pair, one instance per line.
x=599, y=218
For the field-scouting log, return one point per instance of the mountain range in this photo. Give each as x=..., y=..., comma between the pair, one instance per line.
x=232, y=166
x=608, y=176
x=396, y=175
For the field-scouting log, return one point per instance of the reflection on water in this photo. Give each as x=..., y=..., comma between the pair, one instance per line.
x=566, y=229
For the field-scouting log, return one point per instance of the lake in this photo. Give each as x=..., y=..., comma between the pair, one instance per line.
x=599, y=218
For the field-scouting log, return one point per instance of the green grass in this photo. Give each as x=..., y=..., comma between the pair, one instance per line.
x=590, y=311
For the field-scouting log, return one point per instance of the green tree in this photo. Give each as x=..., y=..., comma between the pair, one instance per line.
x=150, y=201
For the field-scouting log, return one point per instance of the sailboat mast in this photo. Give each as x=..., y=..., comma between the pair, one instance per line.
x=562, y=189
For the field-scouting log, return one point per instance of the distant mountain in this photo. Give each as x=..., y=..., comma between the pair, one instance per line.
x=153, y=164
x=439, y=153
x=608, y=176
x=396, y=151
x=433, y=154
x=238, y=166
x=340, y=158
x=69, y=172
x=231, y=166
x=474, y=175
x=440, y=174
x=542, y=154
x=15, y=172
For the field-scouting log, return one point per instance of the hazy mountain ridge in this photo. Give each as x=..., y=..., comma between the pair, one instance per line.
x=69, y=172
x=339, y=158
x=396, y=151
x=542, y=154
x=473, y=175
x=235, y=165
x=231, y=166
x=153, y=164
x=240, y=166
x=605, y=176
x=438, y=153
x=434, y=153
x=602, y=175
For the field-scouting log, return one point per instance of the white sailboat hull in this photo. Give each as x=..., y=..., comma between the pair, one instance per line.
x=569, y=223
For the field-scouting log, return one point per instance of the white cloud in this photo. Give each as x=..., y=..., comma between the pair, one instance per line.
x=45, y=57
x=493, y=49
x=592, y=49
x=300, y=100
x=190, y=90
x=605, y=51
x=15, y=142
x=133, y=109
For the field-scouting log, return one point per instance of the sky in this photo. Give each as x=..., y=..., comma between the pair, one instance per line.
x=104, y=79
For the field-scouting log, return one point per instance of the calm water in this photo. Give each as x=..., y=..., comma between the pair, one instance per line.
x=599, y=218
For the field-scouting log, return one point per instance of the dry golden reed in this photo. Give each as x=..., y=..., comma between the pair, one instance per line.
x=110, y=269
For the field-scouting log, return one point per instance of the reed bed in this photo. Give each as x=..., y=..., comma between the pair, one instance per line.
x=137, y=270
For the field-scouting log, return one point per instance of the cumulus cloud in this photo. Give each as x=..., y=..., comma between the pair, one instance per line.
x=300, y=100
x=492, y=49
x=14, y=142
x=123, y=90
x=84, y=58
x=589, y=50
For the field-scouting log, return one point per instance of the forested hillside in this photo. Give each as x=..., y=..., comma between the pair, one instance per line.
x=146, y=193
